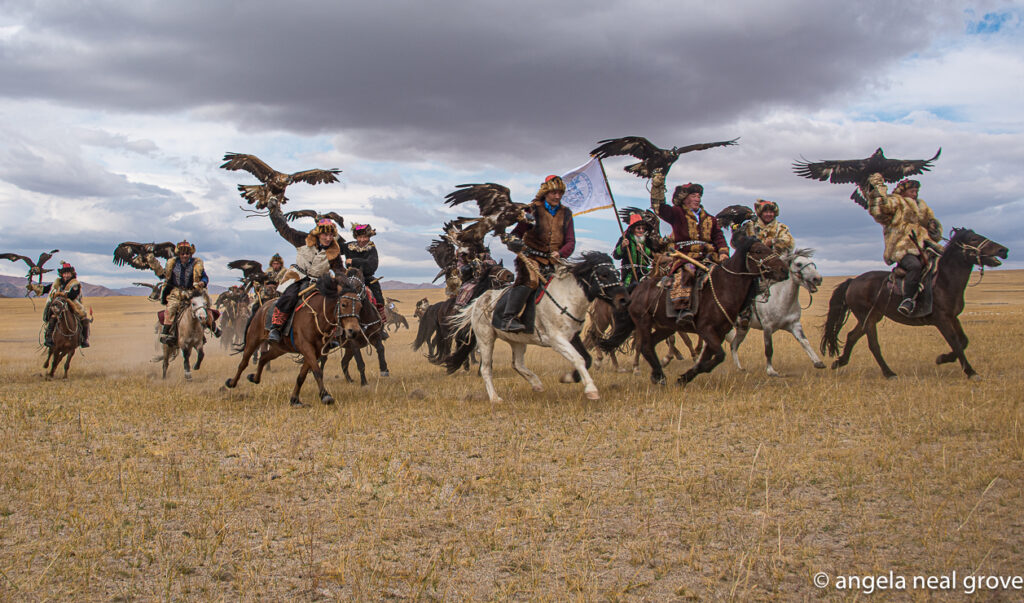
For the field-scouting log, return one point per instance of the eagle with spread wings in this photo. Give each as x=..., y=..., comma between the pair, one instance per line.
x=651, y=158
x=734, y=216
x=34, y=268
x=316, y=215
x=856, y=171
x=252, y=272
x=154, y=289
x=271, y=192
x=497, y=211
x=141, y=255
x=444, y=254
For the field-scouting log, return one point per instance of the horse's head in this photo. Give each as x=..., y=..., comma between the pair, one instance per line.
x=761, y=259
x=499, y=276
x=198, y=304
x=351, y=300
x=802, y=269
x=600, y=279
x=979, y=250
x=421, y=308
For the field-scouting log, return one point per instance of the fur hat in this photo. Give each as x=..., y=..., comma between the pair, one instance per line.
x=66, y=267
x=551, y=184
x=762, y=204
x=684, y=190
x=276, y=258
x=325, y=225
x=904, y=185
x=363, y=229
x=184, y=246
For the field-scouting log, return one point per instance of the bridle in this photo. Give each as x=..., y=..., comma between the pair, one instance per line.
x=978, y=256
x=759, y=263
x=595, y=282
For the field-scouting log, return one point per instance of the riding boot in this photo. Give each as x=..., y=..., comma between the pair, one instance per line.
x=165, y=335
x=517, y=298
x=48, y=335
x=685, y=319
x=85, y=334
x=277, y=322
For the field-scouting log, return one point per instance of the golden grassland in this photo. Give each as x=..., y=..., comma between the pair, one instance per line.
x=117, y=485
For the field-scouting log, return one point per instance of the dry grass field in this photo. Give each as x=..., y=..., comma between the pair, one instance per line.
x=117, y=485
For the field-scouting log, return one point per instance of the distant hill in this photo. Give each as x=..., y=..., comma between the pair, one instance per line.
x=14, y=286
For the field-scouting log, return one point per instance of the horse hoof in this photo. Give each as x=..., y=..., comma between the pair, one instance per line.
x=819, y=365
x=252, y=378
x=188, y=377
x=385, y=373
x=891, y=377
x=228, y=384
x=974, y=377
x=658, y=380
x=540, y=388
x=327, y=399
x=774, y=374
x=296, y=403
x=835, y=365
x=592, y=395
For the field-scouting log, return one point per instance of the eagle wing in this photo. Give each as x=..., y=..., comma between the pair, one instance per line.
x=634, y=146
x=251, y=269
x=734, y=215
x=443, y=252
x=164, y=250
x=316, y=176
x=898, y=169
x=150, y=286
x=337, y=219
x=859, y=199
x=856, y=171
x=15, y=257
x=45, y=256
x=301, y=213
x=491, y=198
x=250, y=163
x=128, y=251
x=703, y=146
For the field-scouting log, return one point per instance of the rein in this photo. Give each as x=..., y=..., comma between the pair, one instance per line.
x=977, y=256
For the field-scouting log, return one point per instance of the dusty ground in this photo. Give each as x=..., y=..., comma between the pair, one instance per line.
x=117, y=485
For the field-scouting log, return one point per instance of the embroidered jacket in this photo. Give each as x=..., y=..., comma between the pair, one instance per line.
x=184, y=276
x=697, y=237
x=902, y=219
x=635, y=254
x=774, y=231
x=548, y=233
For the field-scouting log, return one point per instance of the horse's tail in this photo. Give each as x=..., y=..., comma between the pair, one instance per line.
x=838, y=312
x=426, y=328
x=624, y=327
x=459, y=322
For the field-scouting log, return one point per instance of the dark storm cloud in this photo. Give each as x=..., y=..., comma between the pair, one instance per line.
x=450, y=79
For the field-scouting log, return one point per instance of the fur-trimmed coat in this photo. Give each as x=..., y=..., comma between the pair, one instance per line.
x=775, y=234
x=198, y=274
x=704, y=232
x=310, y=259
x=902, y=219
x=548, y=233
x=72, y=290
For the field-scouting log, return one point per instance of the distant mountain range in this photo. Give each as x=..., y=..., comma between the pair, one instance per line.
x=14, y=286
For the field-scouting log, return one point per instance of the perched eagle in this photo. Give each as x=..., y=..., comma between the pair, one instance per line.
x=252, y=271
x=649, y=218
x=138, y=255
x=734, y=216
x=271, y=192
x=651, y=157
x=34, y=268
x=497, y=211
x=856, y=171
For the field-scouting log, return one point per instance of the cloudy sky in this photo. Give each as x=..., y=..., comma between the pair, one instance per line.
x=114, y=115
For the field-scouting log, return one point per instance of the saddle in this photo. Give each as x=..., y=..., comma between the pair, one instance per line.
x=924, y=297
x=667, y=283
x=527, y=316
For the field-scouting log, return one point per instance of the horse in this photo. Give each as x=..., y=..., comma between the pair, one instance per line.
x=781, y=310
x=871, y=298
x=722, y=296
x=66, y=337
x=558, y=320
x=321, y=314
x=371, y=326
x=600, y=318
x=394, y=318
x=189, y=323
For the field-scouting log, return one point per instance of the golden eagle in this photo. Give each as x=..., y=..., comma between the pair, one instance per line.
x=252, y=272
x=649, y=218
x=497, y=211
x=312, y=213
x=856, y=171
x=271, y=192
x=651, y=158
x=141, y=255
x=34, y=268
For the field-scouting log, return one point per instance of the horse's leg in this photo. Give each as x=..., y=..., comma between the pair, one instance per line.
x=57, y=355
x=851, y=340
x=265, y=359
x=247, y=353
x=381, y=358
x=951, y=355
x=485, y=343
x=299, y=379
x=643, y=341
x=167, y=359
x=712, y=355
x=186, y=354
x=67, y=362
x=519, y=364
x=309, y=353
x=734, y=346
x=797, y=330
x=346, y=358
x=955, y=337
x=569, y=352
x=876, y=350
x=49, y=355
x=360, y=366
x=200, y=354
x=769, y=351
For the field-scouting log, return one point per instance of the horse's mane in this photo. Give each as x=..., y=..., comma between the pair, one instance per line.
x=588, y=261
x=805, y=252
x=959, y=234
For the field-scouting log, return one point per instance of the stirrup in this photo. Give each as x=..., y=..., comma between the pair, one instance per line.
x=907, y=306
x=275, y=334
x=685, y=319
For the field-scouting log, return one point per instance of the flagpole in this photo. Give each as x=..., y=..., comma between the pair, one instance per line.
x=636, y=279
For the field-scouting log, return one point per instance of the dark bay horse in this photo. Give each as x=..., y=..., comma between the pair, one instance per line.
x=320, y=315
x=870, y=299
x=371, y=326
x=67, y=333
x=721, y=298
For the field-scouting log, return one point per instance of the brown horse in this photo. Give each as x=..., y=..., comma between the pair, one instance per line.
x=315, y=322
x=722, y=297
x=67, y=333
x=371, y=326
x=600, y=318
x=871, y=299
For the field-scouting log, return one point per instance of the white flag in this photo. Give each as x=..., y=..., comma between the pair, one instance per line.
x=586, y=189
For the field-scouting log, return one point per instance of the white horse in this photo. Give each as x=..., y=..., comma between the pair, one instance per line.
x=190, y=335
x=559, y=318
x=781, y=310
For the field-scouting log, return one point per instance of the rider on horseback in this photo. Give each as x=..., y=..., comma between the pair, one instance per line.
x=550, y=237
x=181, y=275
x=315, y=254
x=68, y=287
x=767, y=227
x=275, y=271
x=695, y=232
x=470, y=273
x=362, y=254
x=909, y=227
x=636, y=248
